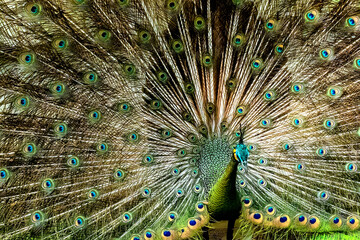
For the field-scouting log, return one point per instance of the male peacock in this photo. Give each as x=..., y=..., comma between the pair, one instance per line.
x=141, y=119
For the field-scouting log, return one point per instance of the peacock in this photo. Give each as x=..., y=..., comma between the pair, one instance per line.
x=179, y=119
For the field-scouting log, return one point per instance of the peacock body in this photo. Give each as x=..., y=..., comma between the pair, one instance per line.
x=179, y=119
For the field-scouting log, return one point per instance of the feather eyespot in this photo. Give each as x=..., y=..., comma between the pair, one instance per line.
x=270, y=95
x=33, y=9
x=144, y=36
x=127, y=217
x=4, y=175
x=257, y=64
x=102, y=148
x=352, y=21
x=145, y=192
x=48, y=185
x=312, y=16
x=199, y=23
x=37, y=217
x=177, y=46
x=29, y=149
x=351, y=167
x=80, y=222
x=162, y=77
x=73, y=162
x=238, y=40
x=329, y=124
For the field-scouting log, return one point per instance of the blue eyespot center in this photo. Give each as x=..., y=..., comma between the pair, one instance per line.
x=192, y=222
x=200, y=206
x=28, y=58
x=324, y=53
x=270, y=209
x=172, y=216
x=257, y=216
x=2, y=174
x=167, y=233
x=351, y=21
x=148, y=234
x=312, y=220
x=283, y=219
x=352, y=221
x=79, y=221
x=30, y=148
x=336, y=220
x=23, y=101
x=37, y=216
x=301, y=218
x=270, y=25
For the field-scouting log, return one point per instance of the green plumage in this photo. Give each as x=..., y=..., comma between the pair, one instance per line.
x=179, y=119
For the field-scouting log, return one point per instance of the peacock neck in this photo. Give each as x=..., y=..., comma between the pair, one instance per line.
x=224, y=200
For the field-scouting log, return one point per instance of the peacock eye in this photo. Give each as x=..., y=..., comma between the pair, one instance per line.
x=94, y=116
x=146, y=192
x=60, y=44
x=144, y=36
x=269, y=95
x=241, y=110
x=155, y=104
x=357, y=63
x=257, y=64
x=29, y=149
x=179, y=192
x=73, y=162
x=172, y=5
x=199, y=23
x=124, y=107
x=119, y=174
x=172, y=216
x=300, y=167
x=351, y=167
x=287, y=146
x=33, y=9
x=90, y=78
x=129, y=70
x=162, y=77
x=102, y=148
x=270, y=25
x=279, y=48
x=270, y=210
x=352, y=21
x=93, y=194
x=123, y=3
x=4, y=175
x=207, y=61
x=104, y=35
x=323, y=195
x=27, y=58
x=321, y=151
x=312, y=16
x=242, y=183
x=238, y=40
x=246, y=201
x=80, y=222
x=127, y=217
x=325, y=54
x=329, y=124
x=265, y=122
x=37, y=217
x=262, y=182
x=197, y=188
x=178, y=46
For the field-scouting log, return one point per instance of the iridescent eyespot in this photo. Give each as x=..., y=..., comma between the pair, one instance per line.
x=162, y=77
x=166, y=234
x=334, y=92
x=149, y=234
x=29, y=149
x=263, y=161
x=4, y=175
x=33, y=9
x=352, y=222
x=189, y=88
x=238, y=40
x=73, y=162
x=127, y=217
x=60, y=43
x=323, y=195
x=283, y=221
x=311, y=16
x=22, y=103
x=207, y=61
x=300, y=219
x=256, y=217
x=90, y=78
x=129, y=70
x=58, y=89
x=175, y=171
x=60, y=129
x=231, y=83
x=329, y=124
x=252, y=147
x=297, y=88
x=177, y=46
x=357, y=63
x=199, y=23
x=241, y=110
x=287, y=146
x=48, y=185
x=172, y=5
x=297, y=121
x=145, y=192
x=197, y=188
x=279, y=48
x=187, y=116
x=119, y=174
x=270, y=25
x=257, y=64
x=133, y=137
x=37, y=217
x=335, y=221
x=103, y=35
x=148, y=159
x=166, y=133
x=181, y=152
x=352, y=21
x=27, y=58
x=242, y=183
x=321, y=151
x=241, y=169
x=326, y=53
x=94, y=116
x=155, y=104
x=270, y=210
x=314, y=222
x=270, y=95
x=200, y=207
x=123, y=3
x=179, y=192
x=80, y=222
x=172, y=216
x=262, y=182
x=102, y=148
x=351, y=167
x=124, y=107
x=195, y=172
x=93, y=194
x=192, y=223
x=265, y=123
x=300, y=167
x=144, y=36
